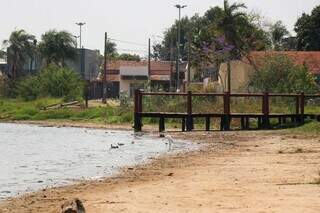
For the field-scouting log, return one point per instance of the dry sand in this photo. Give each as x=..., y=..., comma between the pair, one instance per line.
x=234, y=172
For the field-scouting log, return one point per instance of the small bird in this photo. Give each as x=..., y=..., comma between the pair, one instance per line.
x=170, y=140
x=120, y=144
x=114, y=146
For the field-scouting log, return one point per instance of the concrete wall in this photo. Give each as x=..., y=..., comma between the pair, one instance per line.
x=125, y=85
x=240, y=75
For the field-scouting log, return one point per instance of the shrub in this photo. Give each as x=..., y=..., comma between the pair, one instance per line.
x=52, y=81
x=29, y=88
x=279, y=74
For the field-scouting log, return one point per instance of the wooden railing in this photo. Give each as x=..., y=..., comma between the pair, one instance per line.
x=187, y=118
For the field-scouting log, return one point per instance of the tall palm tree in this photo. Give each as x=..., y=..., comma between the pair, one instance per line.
x=20, y=46
x=231, y=24
x=278, y=33
x=57, y=47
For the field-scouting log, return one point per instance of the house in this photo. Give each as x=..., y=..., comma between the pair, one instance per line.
x=86, y=64
x=241, y=70
x=127, y=76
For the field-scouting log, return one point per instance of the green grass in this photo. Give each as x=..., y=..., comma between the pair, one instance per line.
x=13, y=109
x=310, y=128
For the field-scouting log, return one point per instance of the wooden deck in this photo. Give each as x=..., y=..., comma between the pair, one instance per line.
x=262, y=119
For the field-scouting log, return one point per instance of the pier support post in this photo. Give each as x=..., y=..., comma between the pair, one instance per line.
x=265, y=111
x=302, y=103
x=207, y=123
x=226, y=110
x=137, y=111
x=189, y=111
x=161, y=124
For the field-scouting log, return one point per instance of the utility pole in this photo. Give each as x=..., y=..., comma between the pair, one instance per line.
x=149, y=60
x=171, y=64
x=178, y=45
x=104, y=90
x=189, y=59
x=80, y=24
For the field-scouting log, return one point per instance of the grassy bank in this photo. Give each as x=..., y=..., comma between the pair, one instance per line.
x=18, y=110
x=310, y=128
x=13, y=109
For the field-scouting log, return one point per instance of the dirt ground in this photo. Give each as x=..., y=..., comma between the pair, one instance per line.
x=233, y=172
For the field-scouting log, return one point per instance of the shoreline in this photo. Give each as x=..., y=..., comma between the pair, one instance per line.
x=200, y=181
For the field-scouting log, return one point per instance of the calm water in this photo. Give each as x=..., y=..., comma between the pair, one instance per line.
x=33, y=157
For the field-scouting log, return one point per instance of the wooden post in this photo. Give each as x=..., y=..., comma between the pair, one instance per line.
x=161, y=124
x=296, y=117
x=183, y=124
x=242, y=123
x=189, y=111
x=302, y=103
x=137, y=111
x=265, y=111
x=226, y=111
x=207, y=123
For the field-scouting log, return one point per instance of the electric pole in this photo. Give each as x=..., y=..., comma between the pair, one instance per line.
x=178, y=45
x=149, y=60
x=104, y=90
x=189, y=59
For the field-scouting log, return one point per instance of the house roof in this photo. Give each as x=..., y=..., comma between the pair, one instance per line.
x=157, y=67
x=310, y=59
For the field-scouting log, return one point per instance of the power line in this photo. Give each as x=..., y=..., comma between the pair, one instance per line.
x=130, y=50
x=129, y=42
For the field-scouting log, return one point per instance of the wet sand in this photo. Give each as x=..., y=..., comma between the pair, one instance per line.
x=234, y=172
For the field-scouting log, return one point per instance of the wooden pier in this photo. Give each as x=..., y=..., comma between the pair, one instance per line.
x=263, y=118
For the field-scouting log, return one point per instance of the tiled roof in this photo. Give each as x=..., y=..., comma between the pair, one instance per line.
x=310, y=59
x=157, y=67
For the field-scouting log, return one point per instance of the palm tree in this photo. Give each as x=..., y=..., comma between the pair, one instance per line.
x=231, y=24
x=20, y=46
x=57, y=47
x=278, y=33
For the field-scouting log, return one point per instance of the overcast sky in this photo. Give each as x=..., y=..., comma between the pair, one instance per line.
x=128, y=20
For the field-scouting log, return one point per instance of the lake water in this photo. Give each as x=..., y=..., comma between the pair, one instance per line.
x=34, y=157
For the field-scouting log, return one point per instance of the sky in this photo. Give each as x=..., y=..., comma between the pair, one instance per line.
x=133, y=21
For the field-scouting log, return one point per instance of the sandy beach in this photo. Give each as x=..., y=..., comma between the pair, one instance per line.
x=233, y=172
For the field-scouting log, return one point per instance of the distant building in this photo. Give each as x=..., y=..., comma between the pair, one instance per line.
x=127, y=76
x=87, y=64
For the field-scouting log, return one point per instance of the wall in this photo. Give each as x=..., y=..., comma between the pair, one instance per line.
x=125, y=85
x=240, y=76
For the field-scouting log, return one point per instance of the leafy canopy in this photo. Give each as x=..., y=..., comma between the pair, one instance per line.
x=57, y=46
x=279, y=74
x=308, y=31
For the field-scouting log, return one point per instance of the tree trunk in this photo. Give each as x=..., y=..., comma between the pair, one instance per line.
x=229, y=75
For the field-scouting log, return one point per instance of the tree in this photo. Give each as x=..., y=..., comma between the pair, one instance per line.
x=279, y=74
x=128, y=57
x=3, y=54
x=307, y=28
x=20, y=45
x=57, y=47
x=278, y=33
x=111, y=48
